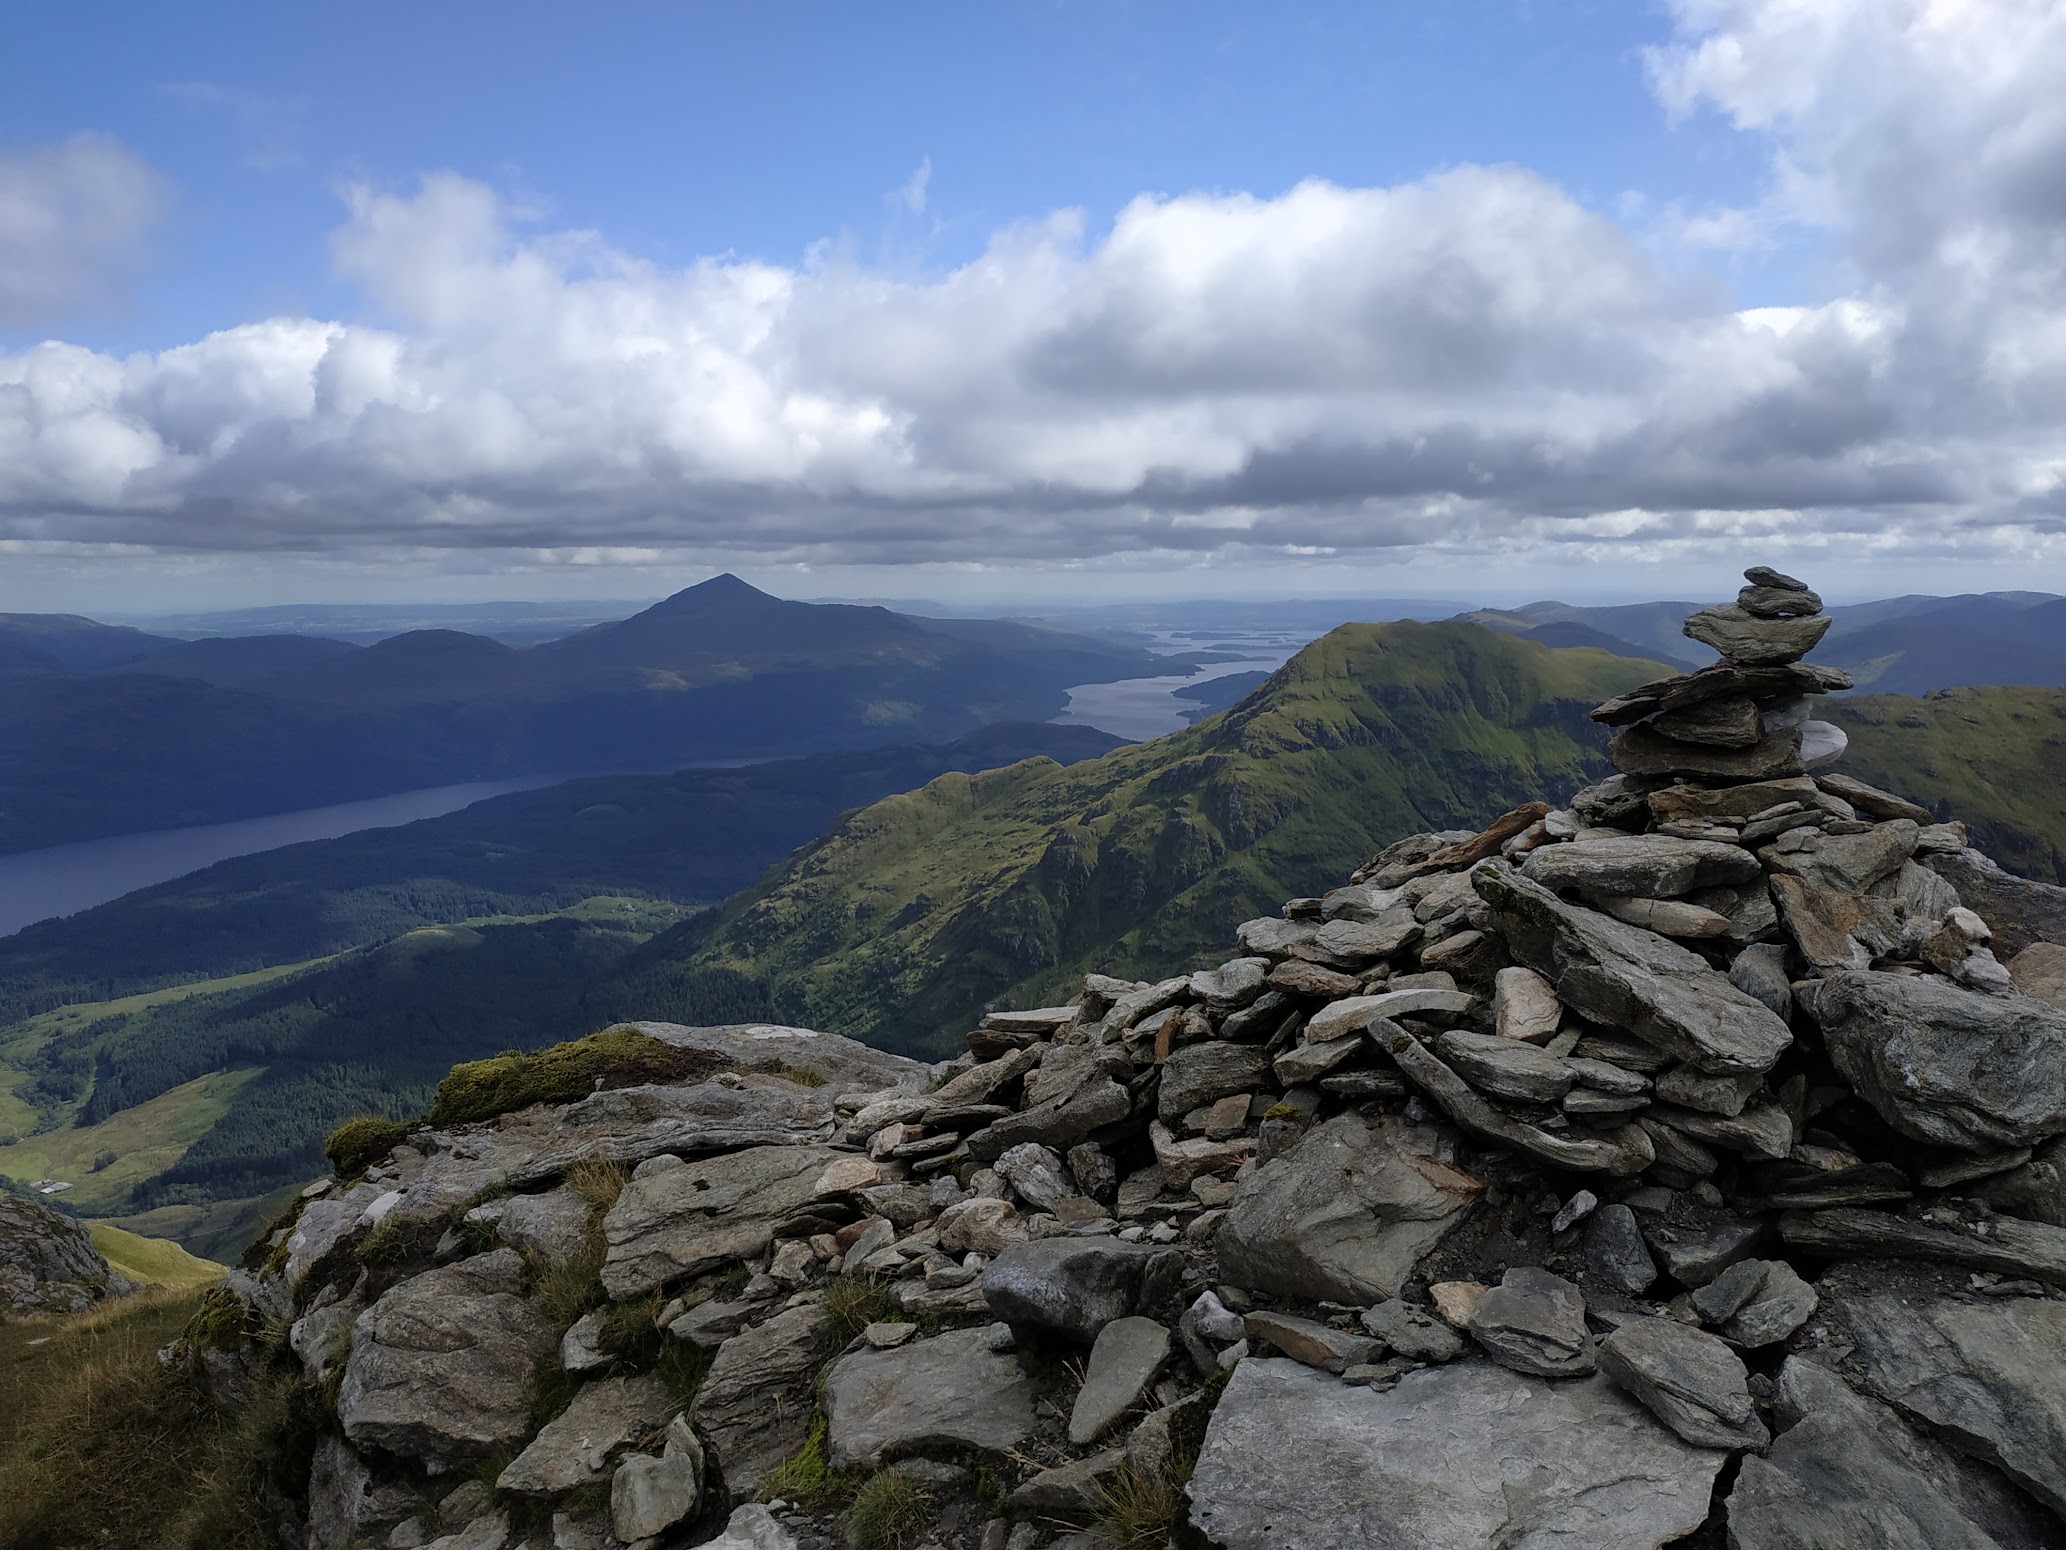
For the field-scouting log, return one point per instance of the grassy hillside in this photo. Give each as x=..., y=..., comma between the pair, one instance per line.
x=911, y=914
x=1994, y=757
x=153, y=1261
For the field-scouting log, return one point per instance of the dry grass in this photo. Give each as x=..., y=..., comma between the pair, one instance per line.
x=888, y=1512
x=1138, y=1511
x=849, y=1304
x=105, y=1447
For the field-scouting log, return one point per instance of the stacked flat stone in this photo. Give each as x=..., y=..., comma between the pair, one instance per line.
x=1746, y=717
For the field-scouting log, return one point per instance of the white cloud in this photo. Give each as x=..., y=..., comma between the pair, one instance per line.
x=73, y=218
x=1470, y=363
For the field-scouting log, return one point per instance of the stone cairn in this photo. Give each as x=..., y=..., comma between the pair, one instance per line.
x=1681, y=1161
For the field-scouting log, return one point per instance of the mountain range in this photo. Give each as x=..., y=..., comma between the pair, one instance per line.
x=110, y=730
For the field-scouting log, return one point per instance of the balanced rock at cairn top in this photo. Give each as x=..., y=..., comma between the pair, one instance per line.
x=1746, y=717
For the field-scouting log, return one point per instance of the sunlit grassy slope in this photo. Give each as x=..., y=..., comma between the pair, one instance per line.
x=153, y=1261
x=1994, y=757
x=913, y=913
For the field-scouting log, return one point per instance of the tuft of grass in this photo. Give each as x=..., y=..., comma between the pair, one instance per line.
x=566, y=1288
x=888, y=1512
x=807, y=1477
x=106, y=1446
x=849, y=1304
x=359, y=1143
x=617, y=1057
x=682, y=1366
x=1138, y=1511
x=598, y=1182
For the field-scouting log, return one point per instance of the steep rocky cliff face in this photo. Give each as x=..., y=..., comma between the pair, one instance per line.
x=48, y=1263
x=1679, y=1166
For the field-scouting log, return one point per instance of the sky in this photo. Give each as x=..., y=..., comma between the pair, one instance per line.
x=1030, y=302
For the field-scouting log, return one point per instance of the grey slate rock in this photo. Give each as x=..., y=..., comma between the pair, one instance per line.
x=754, y=1405
x=1760, y=971
x=1743, y=638
x=2019, y=910
x=1755, y=1302
x=1615, y=1254
x=1653, y=866
x=1846, y=1474
x=1987, y=1373
x=1463, y=1455
x=575, y=1447
x=1694, y=1255
x=705, y=1214
x=1199, y=1073
x=950, y=1391
x=1345, y=1213
x=1534, y=1322
x=440, y=1367
x=1506, y=1068
x=1413, y=1332
x=1689, y=1380
x=1127, y=1355
x=1076, y=1286
x=1308, y=1340
x=1626, y=977
x=1946, y=1065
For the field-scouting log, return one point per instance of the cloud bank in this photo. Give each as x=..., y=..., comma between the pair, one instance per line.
x=1472, y=362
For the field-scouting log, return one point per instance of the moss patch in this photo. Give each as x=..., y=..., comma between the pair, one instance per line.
x=358, y=1144
x=617, y=1057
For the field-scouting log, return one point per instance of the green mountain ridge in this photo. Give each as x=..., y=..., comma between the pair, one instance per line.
x=914, y=913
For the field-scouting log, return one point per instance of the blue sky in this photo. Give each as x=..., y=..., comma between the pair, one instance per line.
x=1053, y=299
x=767, y=130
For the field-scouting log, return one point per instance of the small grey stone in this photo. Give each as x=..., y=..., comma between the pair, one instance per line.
x=1413, y=1332
x=1125, y=1359
x=1615, y=1254
x=1534, y=1322
x=1689, y=1380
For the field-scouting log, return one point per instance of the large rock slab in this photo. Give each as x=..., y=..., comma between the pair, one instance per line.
x=1076, y=1286
x=1944, y=1064
x=1987, y=1373
x=627, y=1125
x=1464, y=1455
x=705, y=1214
x=754, y=1405
x=1652, y=866
x=952, y=1391
x=1199, y=1073
x=1629, y=978
x=440, y=1368
x=1847, y=1474
x=577, y=1446
x=840, y=1064
x=1346, y=1212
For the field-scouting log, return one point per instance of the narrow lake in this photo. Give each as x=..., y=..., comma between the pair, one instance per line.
x=1140, y=708
x=64, y=879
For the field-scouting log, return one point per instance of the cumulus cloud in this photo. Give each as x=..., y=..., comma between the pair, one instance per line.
x=1472, y=362
x=72, y=221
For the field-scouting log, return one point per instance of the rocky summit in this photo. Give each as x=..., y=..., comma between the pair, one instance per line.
x=1679, y=1165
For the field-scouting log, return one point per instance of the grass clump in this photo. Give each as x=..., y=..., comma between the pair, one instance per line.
x=1138, y=1510
x=566, y=1288
x=682, y=1367
x=617, y=1057
x=849, y=1304
x=888, y=1512
x=106, y=1446
x=598, y=1182
x=358, y=1144
x=807, y=1477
